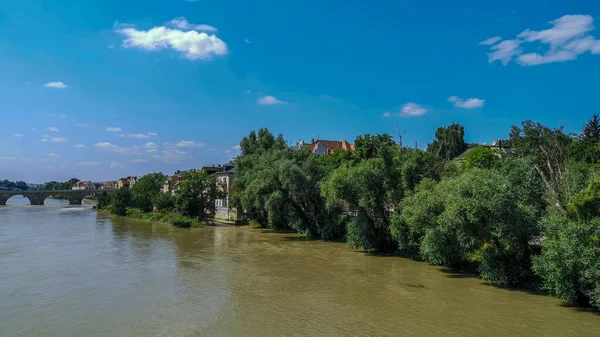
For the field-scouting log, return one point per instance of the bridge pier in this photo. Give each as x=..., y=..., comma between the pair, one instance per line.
x=3, y=199
x=75, y=201
x=36, y=200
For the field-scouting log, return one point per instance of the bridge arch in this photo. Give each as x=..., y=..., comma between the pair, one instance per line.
x=17, y=199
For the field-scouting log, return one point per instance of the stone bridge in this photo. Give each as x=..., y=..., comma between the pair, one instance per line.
x=75, y=197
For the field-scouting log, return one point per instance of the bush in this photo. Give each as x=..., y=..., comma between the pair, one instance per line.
x=120, y=201
x=570, y=262
x=482, y=157
x=164, y=201
x=255, y=224
x=181, y=222
x=472, y=220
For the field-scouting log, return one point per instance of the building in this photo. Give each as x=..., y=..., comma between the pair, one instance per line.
x=108, y=185
x=84, y=185
x=326, y=147
x=210, y=170
x=225, y=174
x=125, y=182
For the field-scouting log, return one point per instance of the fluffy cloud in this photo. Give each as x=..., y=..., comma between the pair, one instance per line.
x=387, y=114
x=116, y=165
x=79, y=146
x=188, y=42
x=17, y=135
x=53, y=129
x=469, y=103
x=56, y=85
x=113, y=129
x=152, y=134
x=568, y=38
x=269, y=100
x=137, y=161
x=412, y=110
x=188, y=143
x=183, y=24
x=247, y=41
x=53, y=155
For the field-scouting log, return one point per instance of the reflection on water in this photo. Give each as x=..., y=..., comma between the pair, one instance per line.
x=66, y=271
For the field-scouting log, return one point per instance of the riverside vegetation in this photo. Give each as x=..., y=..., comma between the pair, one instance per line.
x=478, y=213
x=190, y=208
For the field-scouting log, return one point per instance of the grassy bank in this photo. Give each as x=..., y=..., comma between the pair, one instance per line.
x=167, y=217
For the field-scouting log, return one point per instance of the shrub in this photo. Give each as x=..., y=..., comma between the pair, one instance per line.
x=164, y=201
x=570, y=262
x=181, y=221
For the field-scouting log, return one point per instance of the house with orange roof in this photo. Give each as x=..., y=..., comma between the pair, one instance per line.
x=326, y=147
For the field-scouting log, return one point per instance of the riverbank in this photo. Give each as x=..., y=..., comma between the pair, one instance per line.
x=171, y=218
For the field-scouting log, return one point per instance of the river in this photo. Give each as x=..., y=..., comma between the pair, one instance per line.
x=68, y=271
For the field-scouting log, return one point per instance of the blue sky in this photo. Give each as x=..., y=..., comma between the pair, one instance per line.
x=103, y=89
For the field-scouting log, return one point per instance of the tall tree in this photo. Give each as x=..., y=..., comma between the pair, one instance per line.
x=448, y=144
x=591, y=129
x=146, y=190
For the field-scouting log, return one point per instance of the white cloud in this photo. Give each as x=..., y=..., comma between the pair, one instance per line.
x=236, y=147
x=387, y=114
x=53, y=129
x=112, y=147
x=116, y=165
x=150, y=145
x=183, y=24
x=59, y=139
x=504, y=51
x=269, y=100
x=113, y=129
x=57, y=85
x=53, y=155
x=227, y=151
x=79, y=146
x=89, y=163
x=17, y=134
x=152, y=134
x=247, y=41
x=34, y=128
x=81, y=124
x=191, y=44
x=137, y=161
x=111, y=46
x=568, y=38
x=412, y=110
x=188, y=143
x=469, y=103
x=171, y=156
x=138, y=135
x=491, y=40
x=8, y=158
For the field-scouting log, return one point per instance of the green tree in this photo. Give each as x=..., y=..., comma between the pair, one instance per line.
x=146, y=190
x=197, y=194
x=547, y=148
x=591, y=130
x=364, y=188
x=104, y=200
x=449, y=143
x=472, y=220
x=570, y=261
x=121, y=199
x=482, y=157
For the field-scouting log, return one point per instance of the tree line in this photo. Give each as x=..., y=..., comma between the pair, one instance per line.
x=487, y=211
x=6, y=185
x=193, y=204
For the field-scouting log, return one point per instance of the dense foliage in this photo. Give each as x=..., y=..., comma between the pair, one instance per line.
x=55, y=185
x=193, y=205
x=486, y=210
x=6, y=185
